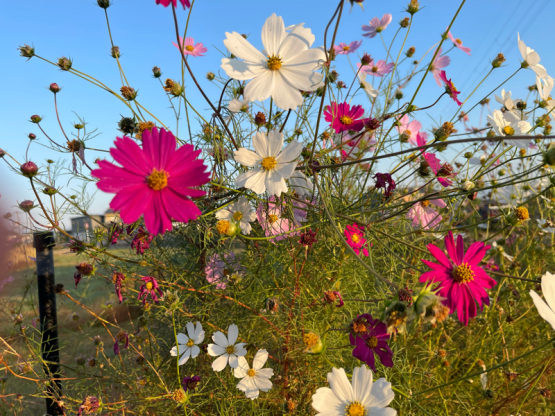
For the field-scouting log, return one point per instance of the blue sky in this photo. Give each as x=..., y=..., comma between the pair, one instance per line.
x=144, y=32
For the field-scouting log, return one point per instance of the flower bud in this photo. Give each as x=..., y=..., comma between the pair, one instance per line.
x=210, y=76
x=468, y=185
x=260, y=119
x=64, y=63
x=404, y=22
x=521, y=105
x=114, y=51
x=366, y=59
x=404, y=138
x=36, y=119
x=398, y=93
x=467, y=155
x=371, y=124
x=472, y=196
x=549, y=155
x=128, y=93
x=413, y=7
x=156, y=72
x=332, y=76
x=103, y=3
x=445, y=131
x=54, y=88
x=126, y=125
x=313, y=343
x=2, y=153
x=498, y=61
x=410, y=52
x=424, y=168
x=29, y=169
x=32, y=136
x=26, y=205
x=50, y=190
x=233, y=230
x=27, y=51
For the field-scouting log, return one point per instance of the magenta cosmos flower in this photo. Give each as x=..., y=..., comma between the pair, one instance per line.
x=442, y=172
x=377, y=69
x=157, y=180
x=458, y=43
x=150, y=287
x=354, y=235
x=439, y=63
x=370, y=338
x=450, y=88
x=410, y=128
x=461, y=281
x=342, y=117
x=344, y=49
x=166, y=3
x=190, y=48
x=376, y=25
x=422, y=214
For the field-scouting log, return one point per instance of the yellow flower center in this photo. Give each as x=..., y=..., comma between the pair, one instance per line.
x=251, y=373
x=268, y=163
x=508, y=130
x=272, y=218
x=190, y=343
x=425, y=203
x=408, y=132
x=230, y=349
x=190, y=48
x=346, y=48
x=157, y=180
x=310, y=339
x=458, y=41
x=346, y=120
x=149, y=285
x=463, y=273
x=222, y=226
x=522, y=213
x=355, y=238
x=237, y=216
x=274, y=63
x=372, y=342
x=374, y=69
x=355, y=409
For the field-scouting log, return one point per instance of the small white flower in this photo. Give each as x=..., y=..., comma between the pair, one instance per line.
x=509, y=124
x=546, y=310
x=544, y=90
x=500, y=249
x=478, y=161
x=240, y=211
x=366, y=86
x=187, y=346
x=256, y=378
x=236, y=106
x=272, y=165
x=300, y=183
x=547, y=226
x=468, y=185
x=532, y=59
x=285, y=67
x=225, y=349
x=361, y=397
x=506, y=100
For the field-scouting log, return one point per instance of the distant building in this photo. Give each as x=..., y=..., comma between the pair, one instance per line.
x=81, y=227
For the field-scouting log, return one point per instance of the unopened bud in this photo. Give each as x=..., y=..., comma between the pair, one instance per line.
x=64, y=63
x=50, y=190
x=156, y=72
x=467, y=155
x=29, y=169
x=104, y=3
x=128, y=93
x=2, y=153
x=404, y=137
x=521, y=105
x=404, y=22
x=446, y=130
x=366, y=59
x=233, y=230
x=398, y=93
x=260, y=119
x=210, y=76
x=115, y=52
x=27, y=51
x=54, y=88
x=498, y=61
x=26, y=205
x=549, y=155
x=468, y=185
x=413, y=7
x=32, y=136
x=36, y=119
x=410, y=51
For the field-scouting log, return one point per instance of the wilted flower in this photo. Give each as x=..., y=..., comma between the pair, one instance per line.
x=150, y=287
x=122, y=338
x=83, y=269
x=313, y=343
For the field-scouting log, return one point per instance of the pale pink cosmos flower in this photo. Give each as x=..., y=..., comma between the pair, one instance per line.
x=411, y=128
x=218, y=270
x=422, y=214
x=344, y=49
x=439, y=63
x=458, y=43
x=377, y=69
x=354, y=147
x=190, y=48
x=273, y=219
x=376, y=25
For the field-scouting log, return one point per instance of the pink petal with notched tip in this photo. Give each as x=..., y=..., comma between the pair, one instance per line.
x=157, y=219
x=131, y=202
x=179, y=208
x=159, y=147
x=129, y=155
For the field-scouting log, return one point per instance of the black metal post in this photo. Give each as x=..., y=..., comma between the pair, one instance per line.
x=44, y=243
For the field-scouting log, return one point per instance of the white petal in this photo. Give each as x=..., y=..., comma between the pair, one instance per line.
x=190, y=330
x=240, y=349
x=540, y=71
x=362, y=383
x=247, y=385
x=262, y=383
x=195, y=351
x=260, y=144
x=185, y=356
x=173, y=351
x=220, y=363
x=242, y=368
x=235, y=105
x=241, y=70
x=303, y=32
x=548, y=289
x=275, y=143
x=285, y=95
x=242, y=179
x=233, y=361
x=259, y=359
x=261, y=87
x=215, y=350
x=246, y=157
x=182, y=339
x=326, y=402
x=265, y=372
x=292, y=45
x=291, y=152
x=311, y=59
x=199, y=334
x=304, y=79
x=273, y=34
x=387, y=411
x=275, y=184
x=521, y=143
x=256, y=182
x=381, y=394
x=286, y=169
x=241, y=48
x=220, y=339
x=232, y=334
x=340, y=385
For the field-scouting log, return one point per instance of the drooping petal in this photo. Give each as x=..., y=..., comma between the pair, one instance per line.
x=285, y=94
x=185, y=356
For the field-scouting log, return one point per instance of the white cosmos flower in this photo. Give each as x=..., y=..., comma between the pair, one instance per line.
x=300, y=183
x=544, y=90
x=271, y=165
x=285, y=67
x=506, y=100
x=225, y=349
x=236, y=106
x=532, y=59
x=366, y=86
x=256, y=378
x=240, y=211
x=188, y=345
x=362, y=397
x=546, y=310
x=546, y=225
x=509, y=124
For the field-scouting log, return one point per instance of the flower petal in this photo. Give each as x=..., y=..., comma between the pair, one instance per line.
x=545, y=311
x=220, y=363
x=273, y=34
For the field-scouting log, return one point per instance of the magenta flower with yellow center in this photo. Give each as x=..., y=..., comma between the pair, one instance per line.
x=166, y=3
x=157, y=180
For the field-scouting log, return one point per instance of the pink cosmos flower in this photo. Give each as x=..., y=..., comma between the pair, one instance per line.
x=354, y=235
x=141, y=240
x=189, y=47
x=442, y=172
x=342, y=117
x=461, y=280
x=273, y=219
x=371, y=341
x=376, y=25
x=458, y=43
x=118, y=279
x=219, y=270
x=351, y=147
x=166, y=3
x=344, y=49
x=450, y=89
x=150, y=287
x=422, y=215
x=377, y=69
x=157, y=180
x=439, y=63
x=122, y=338
x=411, y=128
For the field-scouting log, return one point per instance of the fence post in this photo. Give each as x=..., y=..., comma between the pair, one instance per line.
x=44, y=243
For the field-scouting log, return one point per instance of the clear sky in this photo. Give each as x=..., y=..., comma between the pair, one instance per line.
x=144, y=32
